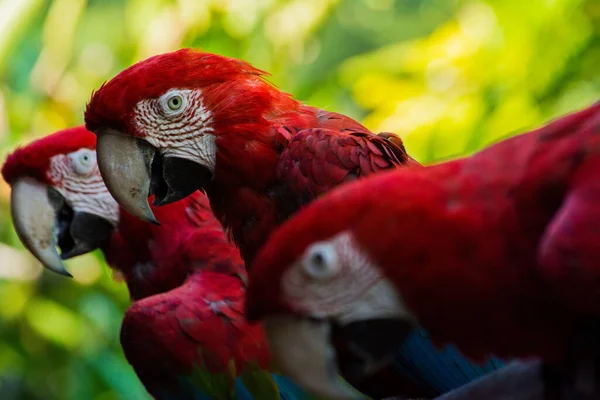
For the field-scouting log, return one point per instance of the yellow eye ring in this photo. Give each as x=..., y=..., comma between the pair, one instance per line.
x=175, y=102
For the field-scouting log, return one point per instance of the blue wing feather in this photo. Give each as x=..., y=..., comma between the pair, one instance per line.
x=186, y=390
x=241, y=393
x=289, y=390
x=436, y=370
x=441, y=370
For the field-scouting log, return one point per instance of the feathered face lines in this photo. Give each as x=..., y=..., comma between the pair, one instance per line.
x=334, y=279
x=164, y=123
x=58, y=198
x=77, y=178
x=33, y=160
x=176, y=124
x=66, y=161
x=177, y=141
x=315, y=283
x=334, y=284
x=113, y=105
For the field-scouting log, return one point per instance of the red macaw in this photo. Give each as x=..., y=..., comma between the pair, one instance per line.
x=189, y=120
x=185, y=334
x=495, y=253
x=186, y=120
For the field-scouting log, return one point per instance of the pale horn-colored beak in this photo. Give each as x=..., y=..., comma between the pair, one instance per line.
x=301, y=349
x=34, y=219
x=125, y=164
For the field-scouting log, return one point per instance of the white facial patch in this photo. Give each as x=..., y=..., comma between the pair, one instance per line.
x=180, y=125
x=334, y=278
x=77, y=178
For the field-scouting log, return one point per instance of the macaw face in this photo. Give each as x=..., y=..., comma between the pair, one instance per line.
x=338, y=294
x=176, y=157
x=325, y=303
x=65, y=206
x=158, y=122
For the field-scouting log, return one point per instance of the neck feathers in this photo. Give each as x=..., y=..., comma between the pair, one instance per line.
x=155, y=259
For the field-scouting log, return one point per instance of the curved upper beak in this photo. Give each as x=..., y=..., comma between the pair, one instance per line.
x=301, y=348
x=125, y=165
x=304, y=349
x=44, y=221
x=133, y=170
x=34, y=218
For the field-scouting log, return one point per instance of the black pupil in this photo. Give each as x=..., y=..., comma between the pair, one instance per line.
x=175, y=101
x=319, y=260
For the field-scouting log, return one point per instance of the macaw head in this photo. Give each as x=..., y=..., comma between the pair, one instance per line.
x=317, y=286
x=166, y=124
x=58, y=198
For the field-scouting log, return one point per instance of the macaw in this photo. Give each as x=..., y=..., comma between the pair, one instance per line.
x=189, y=120
x=494, y=253
x=185, y=333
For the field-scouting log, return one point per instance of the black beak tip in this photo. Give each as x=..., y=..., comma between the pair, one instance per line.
x=154, y=221
x=63, y=272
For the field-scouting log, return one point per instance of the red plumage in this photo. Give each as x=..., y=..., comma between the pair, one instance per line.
x=187, y=280
x=183, y=330
x=154, y=259
x=496, y=252
x=190, y=283
x=34, y=159
x=273, y=153
x=186, y=67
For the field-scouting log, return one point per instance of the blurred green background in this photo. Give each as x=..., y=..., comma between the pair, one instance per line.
x=449, y=75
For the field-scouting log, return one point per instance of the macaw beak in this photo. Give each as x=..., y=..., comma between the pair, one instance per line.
x=133, y=170
x=301, y=349
x=44, y=221
x=34, y=218
x=304, y=350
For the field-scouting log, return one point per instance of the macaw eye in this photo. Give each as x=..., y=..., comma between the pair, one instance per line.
x=172, y=102
x=175, y=102
x=321, y=261
x=84, y=161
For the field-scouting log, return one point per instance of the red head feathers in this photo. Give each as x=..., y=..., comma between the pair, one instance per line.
x=114, y=103
x=495, y=253
x=34, y=159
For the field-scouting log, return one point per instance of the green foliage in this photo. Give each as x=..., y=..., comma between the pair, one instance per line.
x=449, y=75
